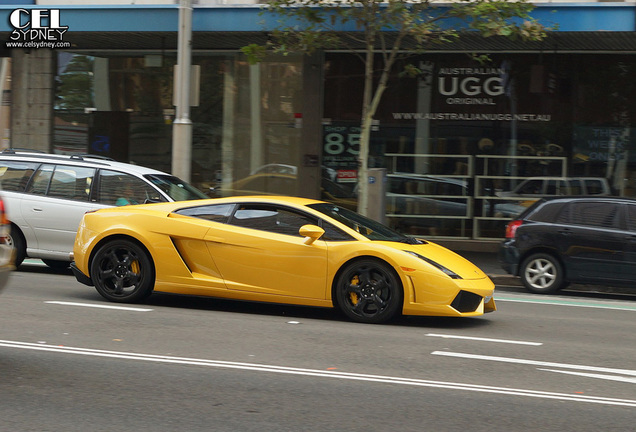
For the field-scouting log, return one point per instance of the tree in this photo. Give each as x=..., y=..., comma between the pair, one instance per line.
x=387, y=31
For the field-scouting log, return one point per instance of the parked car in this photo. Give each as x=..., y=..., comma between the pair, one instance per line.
x=46, y=196
x=6, y=250
x=562, y=240
x=537, y=187
x=424, y=202
x=275, y=249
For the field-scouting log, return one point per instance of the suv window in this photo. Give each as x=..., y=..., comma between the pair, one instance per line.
x=71, y=182
x=590, y=213
x=631, y=217
x=14, y=176
x=40, y=183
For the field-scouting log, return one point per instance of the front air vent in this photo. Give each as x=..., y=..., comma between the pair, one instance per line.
x=466, y=302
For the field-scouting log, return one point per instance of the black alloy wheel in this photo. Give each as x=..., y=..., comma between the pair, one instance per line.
x=122, y=271
x=369, y=291
x=542, y=273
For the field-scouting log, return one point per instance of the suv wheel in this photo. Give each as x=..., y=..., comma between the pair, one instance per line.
x=542, y=273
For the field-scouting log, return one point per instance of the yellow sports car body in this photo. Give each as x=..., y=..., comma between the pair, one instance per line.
x=275, y=249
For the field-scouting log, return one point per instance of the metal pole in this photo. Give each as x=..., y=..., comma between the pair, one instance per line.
x=182, y=126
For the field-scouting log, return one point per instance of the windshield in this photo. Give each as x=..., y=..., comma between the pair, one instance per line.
x=176, y=188
x=367, y=227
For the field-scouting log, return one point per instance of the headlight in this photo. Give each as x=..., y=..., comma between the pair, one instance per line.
x=438, y=266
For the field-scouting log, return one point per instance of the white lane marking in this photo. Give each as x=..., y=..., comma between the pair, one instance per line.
x=321, y=373
x=92, y=305
x=590, y=375
x=535, y=363
x=560, y=302
x=445, y=336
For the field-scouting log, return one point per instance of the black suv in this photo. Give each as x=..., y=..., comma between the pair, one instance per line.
x=562, y=240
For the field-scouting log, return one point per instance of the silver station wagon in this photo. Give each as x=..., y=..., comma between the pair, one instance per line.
x=46, y=195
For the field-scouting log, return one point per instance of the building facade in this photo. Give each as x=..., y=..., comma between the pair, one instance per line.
x=454, y=144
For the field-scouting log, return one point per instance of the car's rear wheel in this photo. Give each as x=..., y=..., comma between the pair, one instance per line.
x=16, y=239
x=122, y=271
x=542, y=273
x=369, y=291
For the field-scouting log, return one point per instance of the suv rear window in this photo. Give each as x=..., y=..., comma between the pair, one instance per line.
x=590, y=213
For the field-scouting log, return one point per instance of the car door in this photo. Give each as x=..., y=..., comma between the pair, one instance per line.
x=260, y=250
x=591, y=241
x=58, y=197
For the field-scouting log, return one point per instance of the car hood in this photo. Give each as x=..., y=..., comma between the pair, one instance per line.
x=445, y=257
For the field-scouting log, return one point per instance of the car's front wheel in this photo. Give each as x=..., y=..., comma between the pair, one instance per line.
x=542, y=273
x=122, y=271
x=369, y=291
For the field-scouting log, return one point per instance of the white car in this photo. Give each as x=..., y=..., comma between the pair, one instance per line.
x=46, y=195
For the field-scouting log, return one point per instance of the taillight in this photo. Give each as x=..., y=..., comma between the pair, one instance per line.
x=3, y=214
x=511, y=228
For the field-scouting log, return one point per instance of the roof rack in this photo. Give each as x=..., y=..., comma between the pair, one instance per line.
x=82, y=156
x=13, y=150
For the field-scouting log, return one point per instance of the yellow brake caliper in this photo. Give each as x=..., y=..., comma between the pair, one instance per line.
x=134, y=267
x=353, y=296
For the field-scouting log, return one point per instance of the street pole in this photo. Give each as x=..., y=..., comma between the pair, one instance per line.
x=182, y=126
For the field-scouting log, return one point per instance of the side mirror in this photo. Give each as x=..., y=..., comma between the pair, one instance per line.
x=311, y=233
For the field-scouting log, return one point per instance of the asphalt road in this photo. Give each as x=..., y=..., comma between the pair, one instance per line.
x=70, y=361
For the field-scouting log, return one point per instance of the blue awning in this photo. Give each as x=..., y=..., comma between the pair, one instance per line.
x=570, y=17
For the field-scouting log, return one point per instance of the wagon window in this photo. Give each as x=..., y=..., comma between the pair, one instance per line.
x=14, y=176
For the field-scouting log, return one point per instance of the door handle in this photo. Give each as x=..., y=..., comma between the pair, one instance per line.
x=37, y=209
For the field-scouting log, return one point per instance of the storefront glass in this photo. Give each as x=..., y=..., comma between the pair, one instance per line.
x=244, y=136
x=460, y=138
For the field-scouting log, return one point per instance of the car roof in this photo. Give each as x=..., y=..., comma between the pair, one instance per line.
x=89, y=160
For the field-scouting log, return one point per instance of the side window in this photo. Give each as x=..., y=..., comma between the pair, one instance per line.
x=631, y=217
x=594, y=187
x=334, y=234
x=215, y=213
x=270, y=218
x=575, y=187
x=71, y=182
x=14, y=176
x=117, y=189
x=531, y=187
x=40, y=183
x=595, y=214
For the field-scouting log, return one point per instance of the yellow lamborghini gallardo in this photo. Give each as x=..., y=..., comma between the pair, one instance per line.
x=275, y=249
